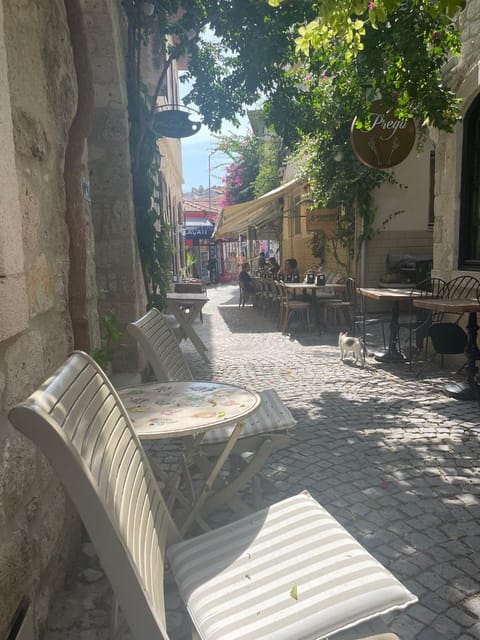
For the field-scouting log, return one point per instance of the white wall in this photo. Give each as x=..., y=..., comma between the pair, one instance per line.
x=412, y=173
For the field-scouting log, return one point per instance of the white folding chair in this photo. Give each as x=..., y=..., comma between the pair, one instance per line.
x=265, y=431
x=286, y=572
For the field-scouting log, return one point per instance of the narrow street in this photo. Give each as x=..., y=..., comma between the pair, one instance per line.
x=390, y=456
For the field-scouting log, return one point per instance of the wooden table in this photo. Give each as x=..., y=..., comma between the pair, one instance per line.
x=470, y=391
x=395, y=296
x=323, y=291
x=189, y=287
x=186, y=307
x=181, y=409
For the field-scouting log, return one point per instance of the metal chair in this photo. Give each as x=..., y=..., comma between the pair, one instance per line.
x=462, y=287
x=360, y=319
x=447, y=338
x=446, y=335
x=420, y=320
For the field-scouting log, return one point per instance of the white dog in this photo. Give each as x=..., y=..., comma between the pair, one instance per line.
x=347, y=344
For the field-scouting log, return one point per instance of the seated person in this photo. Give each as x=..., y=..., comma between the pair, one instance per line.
x=245, y=280
x=290, y=271
x=261, y=262
x=273, y=267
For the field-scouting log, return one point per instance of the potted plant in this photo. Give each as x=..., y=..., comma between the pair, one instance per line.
x=318, y=246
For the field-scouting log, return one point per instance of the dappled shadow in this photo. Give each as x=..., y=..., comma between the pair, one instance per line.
x=233, y=300
x=390, y=456
x=398, y=480
x=245, y=320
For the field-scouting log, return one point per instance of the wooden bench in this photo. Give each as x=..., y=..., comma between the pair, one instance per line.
x=286, y=572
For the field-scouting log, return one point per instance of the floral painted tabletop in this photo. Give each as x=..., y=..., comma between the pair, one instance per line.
x=171, y=409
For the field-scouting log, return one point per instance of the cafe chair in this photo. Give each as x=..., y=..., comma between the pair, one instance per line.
x=289, y=570
x=420, y=320
x=336, y=312
x=446, y=335
x=265, y=431
x=290, y=307
x=447, y=338
x=360, y=319
x=462, y=287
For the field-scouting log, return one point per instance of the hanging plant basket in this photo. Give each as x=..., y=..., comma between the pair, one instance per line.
x=173, y=121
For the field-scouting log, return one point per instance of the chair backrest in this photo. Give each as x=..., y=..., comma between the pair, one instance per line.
x=462, y=287
x=428, y=288
x=283, y=291
x=352, y=295
x=78, y=422
x=160, y=346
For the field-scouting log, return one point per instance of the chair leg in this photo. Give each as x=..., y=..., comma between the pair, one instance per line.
x=307, y=313
x=239, y=481
x=286, y=320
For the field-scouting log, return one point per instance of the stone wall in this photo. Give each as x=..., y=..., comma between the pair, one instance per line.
x=118, y=270
x=464, y=77
x=37, y=103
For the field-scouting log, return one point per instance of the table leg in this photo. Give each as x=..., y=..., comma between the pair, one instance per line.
x=210, y=481
x=393, y=353
x=186, y=321
x=470, y=390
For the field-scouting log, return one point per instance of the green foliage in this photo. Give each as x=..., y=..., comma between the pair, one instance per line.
x=347, y=20
x=318, y=245
x=255, y=167
x=111, y=334
x=318, y=65
x=270, y=152
x=153, y=234
x=402, y=44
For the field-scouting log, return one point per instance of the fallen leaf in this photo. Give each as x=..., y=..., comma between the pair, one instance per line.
x=293, y=592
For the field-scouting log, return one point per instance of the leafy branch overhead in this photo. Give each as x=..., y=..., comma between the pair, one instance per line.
x=315, y=65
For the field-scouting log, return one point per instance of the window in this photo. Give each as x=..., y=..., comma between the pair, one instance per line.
x=469, y=245
x=297, y=220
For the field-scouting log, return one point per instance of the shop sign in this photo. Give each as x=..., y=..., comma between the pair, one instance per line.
x=388, y=141
x=322, y=220
x=198, y=232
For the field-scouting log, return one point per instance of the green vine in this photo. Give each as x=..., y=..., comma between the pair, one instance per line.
x=153, y=233
x=318, y=245
x=111, y=334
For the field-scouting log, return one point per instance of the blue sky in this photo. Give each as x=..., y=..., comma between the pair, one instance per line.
x=197, y=148
x=195, y=152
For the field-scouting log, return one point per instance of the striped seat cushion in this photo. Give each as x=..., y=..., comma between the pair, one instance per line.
x=288, y=572
x=272, y=415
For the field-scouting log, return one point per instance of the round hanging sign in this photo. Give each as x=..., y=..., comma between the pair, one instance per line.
x=388, y=141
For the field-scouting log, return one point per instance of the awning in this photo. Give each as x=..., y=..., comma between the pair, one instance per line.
x=264, y=210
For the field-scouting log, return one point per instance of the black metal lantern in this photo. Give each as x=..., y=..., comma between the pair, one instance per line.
x=173, y=121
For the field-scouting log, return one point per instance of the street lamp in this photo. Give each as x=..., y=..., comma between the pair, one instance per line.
x=210, y=181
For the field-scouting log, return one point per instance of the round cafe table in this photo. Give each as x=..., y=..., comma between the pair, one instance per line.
x=190, y=409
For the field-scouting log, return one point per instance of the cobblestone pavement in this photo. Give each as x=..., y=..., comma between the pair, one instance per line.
x=390, y=456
